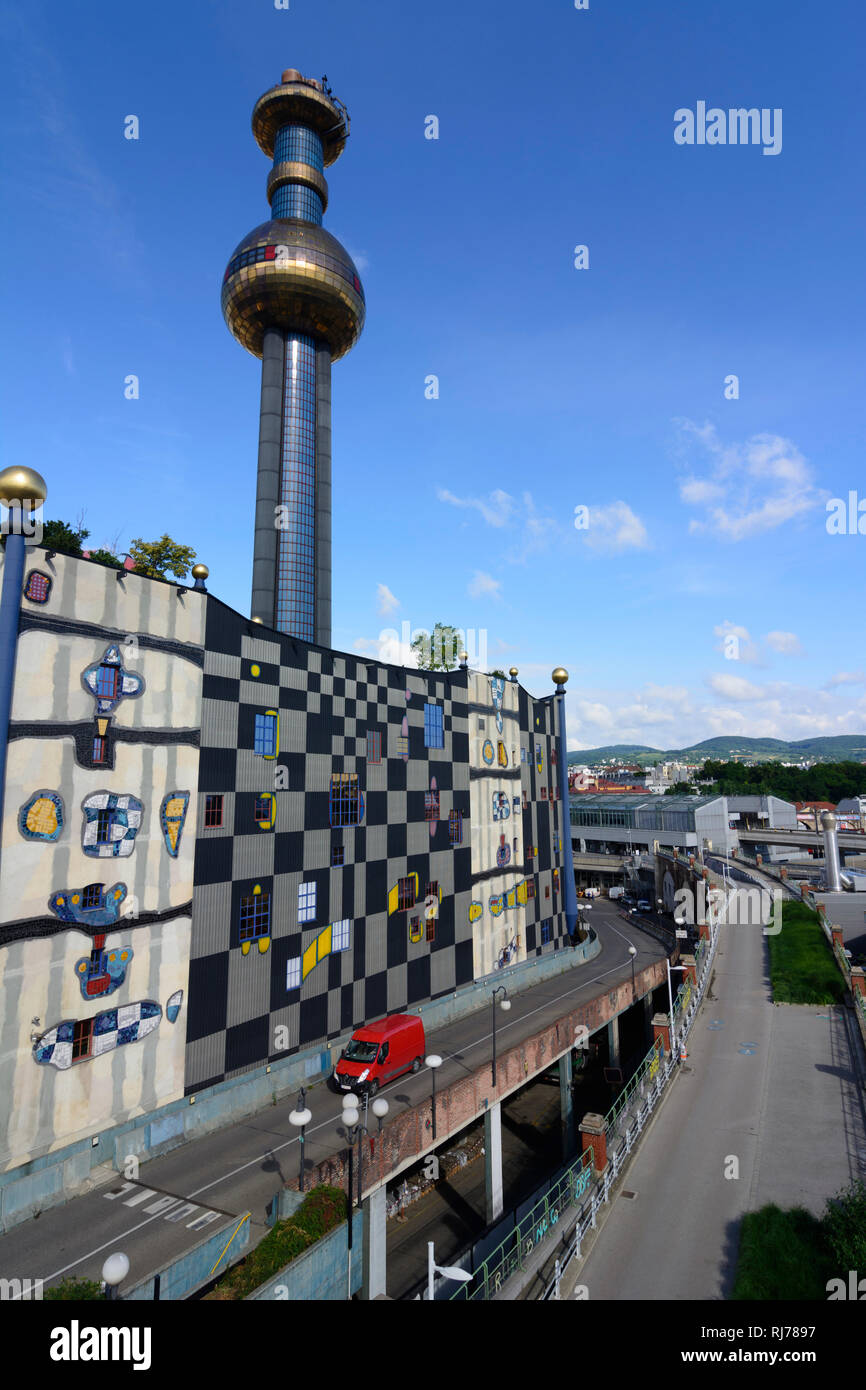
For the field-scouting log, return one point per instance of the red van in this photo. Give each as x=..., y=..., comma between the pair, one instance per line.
x=380, y=1051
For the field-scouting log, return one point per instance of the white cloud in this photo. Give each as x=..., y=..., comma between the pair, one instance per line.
x=497, y=509
x=386, y=601
x=787, y=643
x=736, y=687
x=846, y=678
x=614, y=528
x=483, y=583
x=752, y=487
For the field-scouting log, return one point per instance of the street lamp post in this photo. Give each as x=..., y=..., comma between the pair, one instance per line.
x=300, y=1118
x=433, y=1062
x=351, y=1117
x=632, y=950
x=505, y=1005
x=447, y=1272
x=114, y=1271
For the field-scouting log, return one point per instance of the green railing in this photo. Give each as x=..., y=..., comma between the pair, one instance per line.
x=512, y=1253
x=648, y=1067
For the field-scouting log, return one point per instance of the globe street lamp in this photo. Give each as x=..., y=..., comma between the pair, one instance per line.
x=671, y=998
x=447, y=1271
x=433, y=1062
x=380, y=1110
x=351, y=1117
x=114, y=1271
x=300, y=1118
x=505, y=1005
x=632, y=950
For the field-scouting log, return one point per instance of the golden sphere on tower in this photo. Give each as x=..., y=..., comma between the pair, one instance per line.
x=512, y=671
x=19, y=484
x=200, y=571
x=256, y=620
x=559, y=676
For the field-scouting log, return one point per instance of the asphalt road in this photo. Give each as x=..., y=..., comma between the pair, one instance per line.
x=768, y=1108
x=239, y=1168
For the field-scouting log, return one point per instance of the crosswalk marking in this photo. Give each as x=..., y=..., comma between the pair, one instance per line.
x=173, y=1209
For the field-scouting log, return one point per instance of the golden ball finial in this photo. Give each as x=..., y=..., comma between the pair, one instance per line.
x=19, y=484
x=200, y=571
x=256, y=620
x=559, y=676
x=512, y=671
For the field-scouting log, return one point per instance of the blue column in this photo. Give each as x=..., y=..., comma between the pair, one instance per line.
x=10, y=606
x=568, y=888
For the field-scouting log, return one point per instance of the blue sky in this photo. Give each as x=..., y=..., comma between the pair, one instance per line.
x=558, y=387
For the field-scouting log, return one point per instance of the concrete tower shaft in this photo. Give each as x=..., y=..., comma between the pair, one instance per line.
x=292, y=296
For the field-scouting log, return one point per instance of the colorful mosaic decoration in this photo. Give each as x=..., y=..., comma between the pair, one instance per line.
x=109, y=683
x=74, y=906
x=497, y=692
x=102, y=972
x=172, y=1008
x=501, y=754
x=172, y=815
x=82, y=1040
x=496, y=904
x=37, y=587
x=475, y=911
x=501, y=808
x=487, y=752
x=41, y=816
x=539, y=758
x=111, y=824
x=503, y=854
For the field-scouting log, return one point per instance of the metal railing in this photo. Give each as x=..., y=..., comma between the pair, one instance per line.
x=512, y=1253
x=649, y=1066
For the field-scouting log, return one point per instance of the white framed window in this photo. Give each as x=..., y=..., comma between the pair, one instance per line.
x=306, y=902
x=340, y=935
x=293, y=973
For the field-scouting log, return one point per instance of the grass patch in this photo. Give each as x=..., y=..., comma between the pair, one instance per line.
x=793, y=1255
x=323, y=1209
x=803, y=969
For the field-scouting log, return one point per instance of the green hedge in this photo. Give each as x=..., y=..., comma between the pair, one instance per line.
x=75, y=1290
x=803, y=969
x=793, y=1255
x=322, y=1210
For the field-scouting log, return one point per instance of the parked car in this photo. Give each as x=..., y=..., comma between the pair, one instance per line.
x=380, y=1051
x=644, y=905
x=591, y=892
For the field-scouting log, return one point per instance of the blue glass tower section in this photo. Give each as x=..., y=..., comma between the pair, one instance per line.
x=292, y=296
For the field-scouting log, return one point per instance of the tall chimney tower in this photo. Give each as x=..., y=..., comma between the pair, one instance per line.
x=832, y=870
x=292, y=296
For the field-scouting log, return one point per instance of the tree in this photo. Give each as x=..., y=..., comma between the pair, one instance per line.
x=105, y=557
x=680, y=789
x=440, y=653
x=501, y=674
x=59, y=535
x=157, y=559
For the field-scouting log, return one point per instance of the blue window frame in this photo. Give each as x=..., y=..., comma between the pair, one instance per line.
x=340, y=935
x=546, y=933
x=347, y=803
x=306, y=902
x=434, y=733
x=107, y=682
x=265, y=737
x=293, y=973
x=255, y=917
x=455, y=827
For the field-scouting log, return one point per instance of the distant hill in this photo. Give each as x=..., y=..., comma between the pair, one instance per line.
x=838, y=748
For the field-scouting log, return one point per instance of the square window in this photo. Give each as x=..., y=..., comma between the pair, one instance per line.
x=266, y=734
x=546, y=933
x=530, y=888
x=293, y=973
x=415, y=929
x=91, y=896
x=455, y=827
x=263, y=808
x=255, y=916
x=431, y=805
x=431, y=928
x=434, y=733
x=340, y=935
x=103, y=827
x=406, y=893
x=98, y=750
x=213, y=812
x=347, y=803
x=481, y=726
x=306, y=902
x=374, y=746
x=336, y=856
x=81, y=1034
x=107, y=682
x=547, y=890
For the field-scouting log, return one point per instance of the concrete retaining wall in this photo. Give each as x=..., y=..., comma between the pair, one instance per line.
x=197, y=1267
x=321, y=1274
